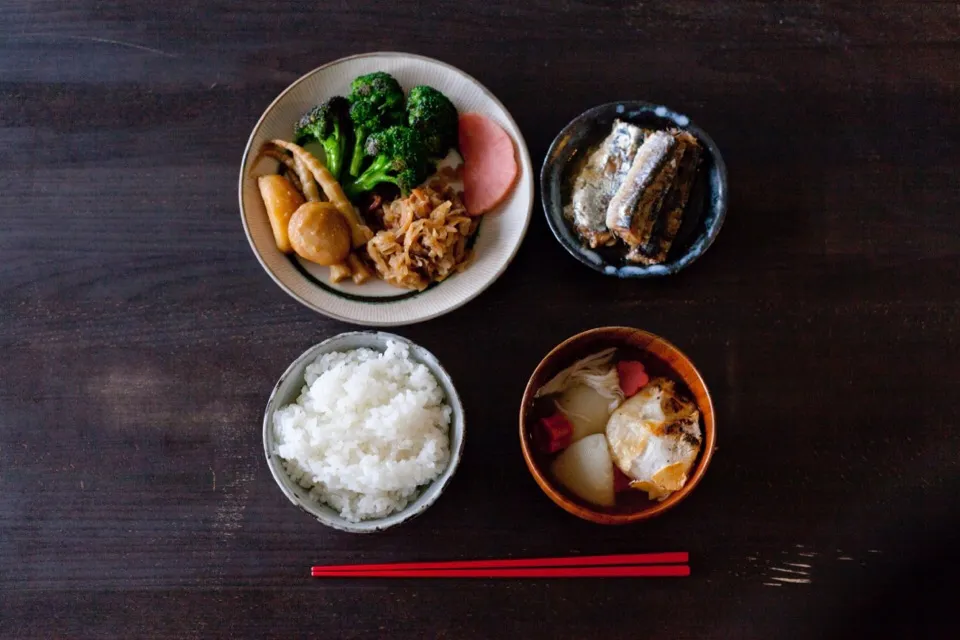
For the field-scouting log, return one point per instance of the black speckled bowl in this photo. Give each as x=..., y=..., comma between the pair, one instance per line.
x=701, y=220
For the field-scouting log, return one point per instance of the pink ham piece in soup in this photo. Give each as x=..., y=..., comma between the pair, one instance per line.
x=633, y=377
x=489, y=163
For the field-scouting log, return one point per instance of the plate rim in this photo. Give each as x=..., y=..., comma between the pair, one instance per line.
x=522, y=148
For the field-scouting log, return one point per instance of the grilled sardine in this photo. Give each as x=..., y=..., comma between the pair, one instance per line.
x=631, y=213
x=654, y=250
x=599, y=180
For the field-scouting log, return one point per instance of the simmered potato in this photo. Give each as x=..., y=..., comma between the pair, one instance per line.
x=319, y=233
x=585, y=468
x=281, y=200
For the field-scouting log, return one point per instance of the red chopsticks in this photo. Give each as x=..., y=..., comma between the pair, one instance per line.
x=633, y=565
x=631, y=571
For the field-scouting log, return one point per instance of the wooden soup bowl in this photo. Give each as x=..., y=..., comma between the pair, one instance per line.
x=661, y=358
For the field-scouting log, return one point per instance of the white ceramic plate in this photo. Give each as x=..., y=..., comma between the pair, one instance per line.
x=377, y=303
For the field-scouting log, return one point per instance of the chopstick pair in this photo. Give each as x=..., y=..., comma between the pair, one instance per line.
x=632, y=565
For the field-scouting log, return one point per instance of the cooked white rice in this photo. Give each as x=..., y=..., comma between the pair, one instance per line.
x=368, y=430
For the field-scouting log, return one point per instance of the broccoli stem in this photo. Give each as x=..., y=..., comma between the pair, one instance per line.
x=356, y=161
x=374, y=175
x=331, y=149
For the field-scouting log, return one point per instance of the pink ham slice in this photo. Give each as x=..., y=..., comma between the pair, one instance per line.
x=489, y=163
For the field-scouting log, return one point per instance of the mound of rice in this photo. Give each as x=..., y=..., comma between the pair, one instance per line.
x=368, y=430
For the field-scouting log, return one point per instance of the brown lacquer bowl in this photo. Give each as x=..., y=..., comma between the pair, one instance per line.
x=660, y=358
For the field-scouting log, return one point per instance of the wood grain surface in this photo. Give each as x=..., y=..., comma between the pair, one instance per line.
x=140, y=337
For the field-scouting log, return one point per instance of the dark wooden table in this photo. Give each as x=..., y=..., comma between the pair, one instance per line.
x=140, y=337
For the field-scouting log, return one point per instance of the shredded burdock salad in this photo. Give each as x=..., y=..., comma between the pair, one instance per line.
x=424, y=237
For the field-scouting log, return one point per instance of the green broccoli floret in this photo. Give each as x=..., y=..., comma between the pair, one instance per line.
x=376, y=102
x=328, y=124
x=434, y=116
x=399, y=157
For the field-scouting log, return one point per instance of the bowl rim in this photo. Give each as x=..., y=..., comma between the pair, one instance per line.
x=412, y=510
x=585, y=512
x=522, y=151
x=555, y=218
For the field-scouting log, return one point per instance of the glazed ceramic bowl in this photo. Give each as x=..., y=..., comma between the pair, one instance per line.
x=660, y=358
x=287, y=390
x=702, y=217
x=376, y=303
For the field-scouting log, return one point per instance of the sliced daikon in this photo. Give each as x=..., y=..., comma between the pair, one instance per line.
x=585, y=468
x=587, y=410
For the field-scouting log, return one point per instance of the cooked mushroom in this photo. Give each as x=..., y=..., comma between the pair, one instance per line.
x=334, y=192
x=310, y=190
x=287, y=161
x=312, y=173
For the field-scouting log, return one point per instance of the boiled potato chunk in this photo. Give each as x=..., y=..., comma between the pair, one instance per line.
x=281, y=199
x=586, y=410
x=585, y=468
x=319, y=233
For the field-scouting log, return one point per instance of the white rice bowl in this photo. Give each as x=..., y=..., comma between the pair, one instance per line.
x=369, y=430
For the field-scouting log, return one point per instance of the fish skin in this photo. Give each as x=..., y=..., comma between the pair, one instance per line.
x=634, y=187
x=598, y=181
x=654, y=250
x=630, y=208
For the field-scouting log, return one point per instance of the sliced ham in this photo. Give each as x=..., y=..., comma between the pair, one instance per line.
x=633, y=377
x=489, y=163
